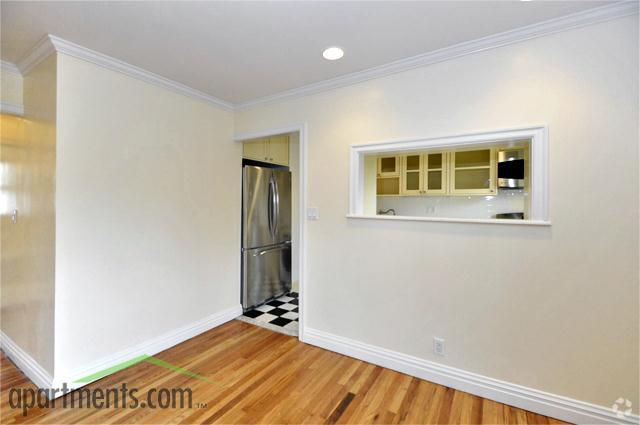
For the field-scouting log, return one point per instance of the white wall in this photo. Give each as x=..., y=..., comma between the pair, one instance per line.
x=27, y=167
x=11, y=88
x=553, y=308
x=483, y=207
x=148, y=213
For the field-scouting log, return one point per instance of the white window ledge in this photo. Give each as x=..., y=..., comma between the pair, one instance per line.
x=452, y=220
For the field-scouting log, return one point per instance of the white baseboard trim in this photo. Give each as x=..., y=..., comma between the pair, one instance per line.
x=149, y=347
x=42, y=379
x=27, y=364
x=547, y=404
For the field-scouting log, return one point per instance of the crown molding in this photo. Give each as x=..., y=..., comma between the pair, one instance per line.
x=50, y=44
x=39, y=53
x=11, y=108
x=10, y=67
x=72, y=49
x=77, y=51
x=564, y=23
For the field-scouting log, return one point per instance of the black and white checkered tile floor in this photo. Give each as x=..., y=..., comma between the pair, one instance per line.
x=280, y=315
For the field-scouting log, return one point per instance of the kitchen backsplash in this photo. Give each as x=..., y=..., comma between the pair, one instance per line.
x=481, y=207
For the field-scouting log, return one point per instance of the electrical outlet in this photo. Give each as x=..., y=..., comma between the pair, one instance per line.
x=438, y=346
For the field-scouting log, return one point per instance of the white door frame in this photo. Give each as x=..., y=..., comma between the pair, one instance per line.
x=302, y=201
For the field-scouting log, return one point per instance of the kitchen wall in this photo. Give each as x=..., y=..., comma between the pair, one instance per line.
x=27, y=169
x=552, y=308
x=482, y=207
x=148, y=204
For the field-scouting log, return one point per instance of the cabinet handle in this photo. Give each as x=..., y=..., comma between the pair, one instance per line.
x=270, y=159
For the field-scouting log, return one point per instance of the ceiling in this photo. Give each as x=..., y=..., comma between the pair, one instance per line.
x=239, y=51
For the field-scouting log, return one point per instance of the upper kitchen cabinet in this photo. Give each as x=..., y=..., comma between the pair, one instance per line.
x=274, y=149
x=388, y=181
x=464, y=172
x=412, y=174
x=435, y=173
x=255, y=149
x=473, y=172
x=278, y=150
x=389, y=166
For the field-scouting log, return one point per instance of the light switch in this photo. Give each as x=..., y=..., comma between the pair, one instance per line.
x=313, y=213
x=14, y=216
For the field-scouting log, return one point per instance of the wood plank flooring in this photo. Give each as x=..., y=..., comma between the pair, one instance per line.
x=258, y=376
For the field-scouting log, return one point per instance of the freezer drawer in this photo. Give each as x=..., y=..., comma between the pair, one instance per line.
x=266, y=273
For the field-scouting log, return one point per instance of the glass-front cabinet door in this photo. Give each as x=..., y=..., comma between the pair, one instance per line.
x=435, y=174
x=473, y=172
x=412, y=174
x=389, y=166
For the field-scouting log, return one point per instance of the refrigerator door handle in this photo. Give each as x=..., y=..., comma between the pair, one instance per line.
x=270, y=206
x=277, y=207
x=274, y=215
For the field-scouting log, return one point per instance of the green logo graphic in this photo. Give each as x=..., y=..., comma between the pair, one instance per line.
x=136, y=360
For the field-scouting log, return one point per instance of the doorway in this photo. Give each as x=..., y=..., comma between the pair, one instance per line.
x=277, y=307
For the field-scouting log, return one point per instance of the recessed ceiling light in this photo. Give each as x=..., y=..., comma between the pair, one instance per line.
x=333, y=53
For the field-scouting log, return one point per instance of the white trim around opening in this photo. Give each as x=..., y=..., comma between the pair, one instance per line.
x=301, y=129
x=539, y=193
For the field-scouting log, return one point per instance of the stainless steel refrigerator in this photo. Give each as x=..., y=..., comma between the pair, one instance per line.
x=266, y=234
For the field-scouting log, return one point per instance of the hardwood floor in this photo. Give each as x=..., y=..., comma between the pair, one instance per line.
x=252, y=375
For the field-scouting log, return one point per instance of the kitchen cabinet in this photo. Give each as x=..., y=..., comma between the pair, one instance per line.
x=412, y=170
x=388, y=177
x=388, y=186
x=255, y=149
x=473, y=172
x=389, y=166
x=435, y=173
x=278, y=150
x=464, y=172
x=274, y=149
